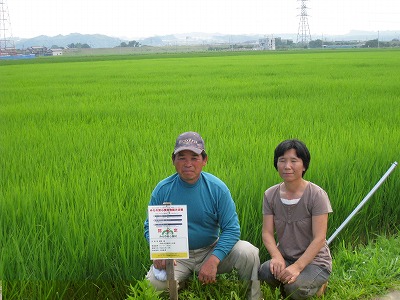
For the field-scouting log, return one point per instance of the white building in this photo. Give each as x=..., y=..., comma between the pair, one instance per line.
x=56, y=52
x=266, y=43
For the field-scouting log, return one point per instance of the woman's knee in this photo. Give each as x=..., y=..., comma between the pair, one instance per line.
x=308, y=282
x=264, y=274
x=297, y=291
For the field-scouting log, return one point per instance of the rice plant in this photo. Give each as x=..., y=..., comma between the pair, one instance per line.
x=83, y=142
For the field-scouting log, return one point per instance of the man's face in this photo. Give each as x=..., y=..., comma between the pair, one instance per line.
x=189, y=165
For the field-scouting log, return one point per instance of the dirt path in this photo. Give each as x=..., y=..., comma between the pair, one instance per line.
x=394, y=295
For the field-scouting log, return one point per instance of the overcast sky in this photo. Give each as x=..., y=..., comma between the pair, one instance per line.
x=143, y=18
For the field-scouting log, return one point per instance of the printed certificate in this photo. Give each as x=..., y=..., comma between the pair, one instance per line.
x=168, y=229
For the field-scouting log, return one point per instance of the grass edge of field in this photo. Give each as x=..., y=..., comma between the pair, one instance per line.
x=361, y=272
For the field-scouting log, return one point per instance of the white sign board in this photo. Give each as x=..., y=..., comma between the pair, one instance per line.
x=168, y=229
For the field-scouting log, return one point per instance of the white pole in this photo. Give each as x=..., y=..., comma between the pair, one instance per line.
x=371, y=192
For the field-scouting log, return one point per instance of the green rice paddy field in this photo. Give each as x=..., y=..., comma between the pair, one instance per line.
x=84, y=140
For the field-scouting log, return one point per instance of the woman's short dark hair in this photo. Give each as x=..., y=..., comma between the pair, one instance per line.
x=300, y=148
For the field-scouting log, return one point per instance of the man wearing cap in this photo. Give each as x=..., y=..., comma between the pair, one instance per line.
x=213, y=225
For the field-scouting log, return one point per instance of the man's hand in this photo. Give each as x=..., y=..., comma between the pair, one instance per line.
x=208, y=271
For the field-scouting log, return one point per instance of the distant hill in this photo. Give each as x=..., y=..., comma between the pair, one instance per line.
x=193, y=38
x=93, y=40
x=370, y=35
x=197, y=38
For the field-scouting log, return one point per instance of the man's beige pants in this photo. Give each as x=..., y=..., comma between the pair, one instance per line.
x=243, y=257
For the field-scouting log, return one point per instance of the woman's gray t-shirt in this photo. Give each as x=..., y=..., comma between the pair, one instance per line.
x=293, y=223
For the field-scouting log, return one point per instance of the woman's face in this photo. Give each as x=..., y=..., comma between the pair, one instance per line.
x=290, y=167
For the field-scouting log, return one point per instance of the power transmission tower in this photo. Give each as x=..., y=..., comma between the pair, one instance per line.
x=7, y=46
x=303, y=33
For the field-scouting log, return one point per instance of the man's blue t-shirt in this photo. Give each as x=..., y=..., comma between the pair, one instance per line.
x=210, y=208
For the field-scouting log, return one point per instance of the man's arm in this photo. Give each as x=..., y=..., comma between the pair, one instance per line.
x=153, y=201
x=230, y=234
x=146, y=224
x=229, y=226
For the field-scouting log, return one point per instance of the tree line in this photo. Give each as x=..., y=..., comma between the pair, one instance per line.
x=130, y=44
x=78, y=45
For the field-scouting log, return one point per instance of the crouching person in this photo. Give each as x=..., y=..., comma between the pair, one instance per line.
x=297, y=211
x=213, y=225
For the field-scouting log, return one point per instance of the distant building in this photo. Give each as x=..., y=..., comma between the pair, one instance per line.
x=37, y=50
x=267, y=43
x=56, y=52
x=44, y=51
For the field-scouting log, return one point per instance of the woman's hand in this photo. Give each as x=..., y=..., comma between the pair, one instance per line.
x=289, y=274
x=276, y=266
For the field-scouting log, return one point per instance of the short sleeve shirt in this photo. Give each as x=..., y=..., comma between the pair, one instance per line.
x=293, y=223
